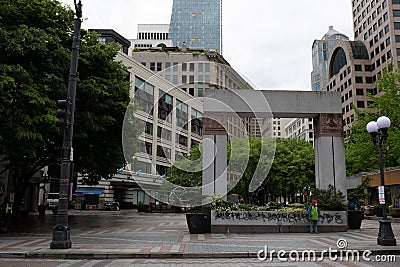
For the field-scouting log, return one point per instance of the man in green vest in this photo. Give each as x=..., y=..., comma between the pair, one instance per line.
x=313, y=216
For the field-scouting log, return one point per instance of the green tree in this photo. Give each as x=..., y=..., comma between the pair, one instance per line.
x=178, y=174
x=361, y=153
x=292, y=167
x=34, y=67
x=292, y=170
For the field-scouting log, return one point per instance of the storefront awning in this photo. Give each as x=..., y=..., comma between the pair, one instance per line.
x=89, y=191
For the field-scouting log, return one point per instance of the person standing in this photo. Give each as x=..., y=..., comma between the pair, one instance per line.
x=314, y=214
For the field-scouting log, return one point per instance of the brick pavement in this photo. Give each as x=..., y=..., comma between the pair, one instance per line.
x=101, y=235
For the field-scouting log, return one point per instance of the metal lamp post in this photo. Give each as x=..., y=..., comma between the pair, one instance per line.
x=61, y=235
x=378, y=131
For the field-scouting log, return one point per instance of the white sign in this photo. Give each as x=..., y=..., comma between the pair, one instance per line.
x=381, y=190
x=71, y=155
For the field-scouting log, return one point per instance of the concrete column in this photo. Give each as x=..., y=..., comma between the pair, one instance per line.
x=214, y=155
x=330, y=166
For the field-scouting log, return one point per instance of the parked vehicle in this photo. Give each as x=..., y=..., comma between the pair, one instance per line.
x=111, y=205
x=52, y=202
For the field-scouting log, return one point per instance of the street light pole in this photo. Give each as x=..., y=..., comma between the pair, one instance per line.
x=61, y=235
x=378, y=131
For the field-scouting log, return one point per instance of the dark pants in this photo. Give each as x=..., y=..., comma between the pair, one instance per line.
x=313, y=226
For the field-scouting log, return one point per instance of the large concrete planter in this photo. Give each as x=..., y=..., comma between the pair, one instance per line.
x=355, y=218
x=275, y=222
x=394, y=212
x=198, y=223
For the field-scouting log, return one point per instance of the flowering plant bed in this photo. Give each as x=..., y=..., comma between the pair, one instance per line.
x=275, y=221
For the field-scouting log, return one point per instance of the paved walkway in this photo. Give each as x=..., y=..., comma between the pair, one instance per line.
x=127, y=234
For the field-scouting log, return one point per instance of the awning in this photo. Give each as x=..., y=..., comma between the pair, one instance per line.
x=89, y=191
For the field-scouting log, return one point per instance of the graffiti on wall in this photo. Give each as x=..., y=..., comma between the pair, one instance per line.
x=286, y=217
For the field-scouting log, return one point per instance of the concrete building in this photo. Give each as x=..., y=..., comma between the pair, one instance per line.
x=196, y=24
x=300, y=128
x=172, y=124
x=151, y=35
x=354, y=66
x=194, y=71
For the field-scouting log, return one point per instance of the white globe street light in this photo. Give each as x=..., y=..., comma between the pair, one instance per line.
x=378, y=131
x=383, y=122
x=372, y=127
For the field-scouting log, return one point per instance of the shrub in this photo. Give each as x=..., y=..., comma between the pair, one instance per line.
x=329, y=199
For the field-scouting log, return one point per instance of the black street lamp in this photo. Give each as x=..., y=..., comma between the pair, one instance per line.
x=378, y=131
x=61, y=233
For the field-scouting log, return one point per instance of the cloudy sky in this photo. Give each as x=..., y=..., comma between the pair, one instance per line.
x=267, y=41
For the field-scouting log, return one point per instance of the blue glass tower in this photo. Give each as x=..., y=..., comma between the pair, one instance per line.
x=197, y=23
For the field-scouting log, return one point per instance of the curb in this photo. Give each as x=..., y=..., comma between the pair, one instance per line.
x=75, y=255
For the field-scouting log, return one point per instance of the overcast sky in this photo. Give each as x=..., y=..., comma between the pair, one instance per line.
x=267, y=41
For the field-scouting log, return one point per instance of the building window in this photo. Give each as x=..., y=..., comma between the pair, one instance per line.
x=357, y=67
x=181, y=114
x=191, y=91
x=164, y=133
x=165, y=107
x=163, y=152
x=360, y=104
x=159, y=66
x=200, y=92
x=175, y=67
x=191, y=67
x=184, y=66
x=149, y=128
x=359, y=79
x=144, y=95
x=359, y=91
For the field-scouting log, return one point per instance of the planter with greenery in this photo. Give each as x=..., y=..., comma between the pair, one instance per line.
x=394, y=211
x=228, y=217
x=140, y=206
x=356, y=200
x=378, y=210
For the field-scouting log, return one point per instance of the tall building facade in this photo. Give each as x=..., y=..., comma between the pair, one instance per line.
x=196, y=23
x=194, y=71
x=354, y=66
x=151, y=35
x=321, y=50
x=301, y=128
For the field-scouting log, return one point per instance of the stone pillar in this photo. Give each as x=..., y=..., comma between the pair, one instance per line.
x=214, y=178
x=329, y=152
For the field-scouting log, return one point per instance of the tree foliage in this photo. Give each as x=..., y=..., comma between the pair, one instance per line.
x=361, y=153
x=292, y=167
x=35, y=52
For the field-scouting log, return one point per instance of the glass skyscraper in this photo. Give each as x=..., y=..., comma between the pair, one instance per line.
x=197, y=23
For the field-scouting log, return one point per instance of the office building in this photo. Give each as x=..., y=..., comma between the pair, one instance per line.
x=300, y=128
x=151, y=35
x=197, y=24
x=354, y=66
x=321, y=49
x=172, y=124
x=194, y=71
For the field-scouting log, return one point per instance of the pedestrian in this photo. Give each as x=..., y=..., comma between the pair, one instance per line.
x=313, y=215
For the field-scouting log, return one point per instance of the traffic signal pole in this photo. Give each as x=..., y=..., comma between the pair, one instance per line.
x=61, y=231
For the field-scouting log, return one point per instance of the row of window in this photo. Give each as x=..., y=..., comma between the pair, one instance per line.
x=369, y=33
x=153, y=35
x=144, y=97
x=163, y=151
x=174, y=66
x=348, y=120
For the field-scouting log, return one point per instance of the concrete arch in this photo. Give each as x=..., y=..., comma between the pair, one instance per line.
x=324, y=107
